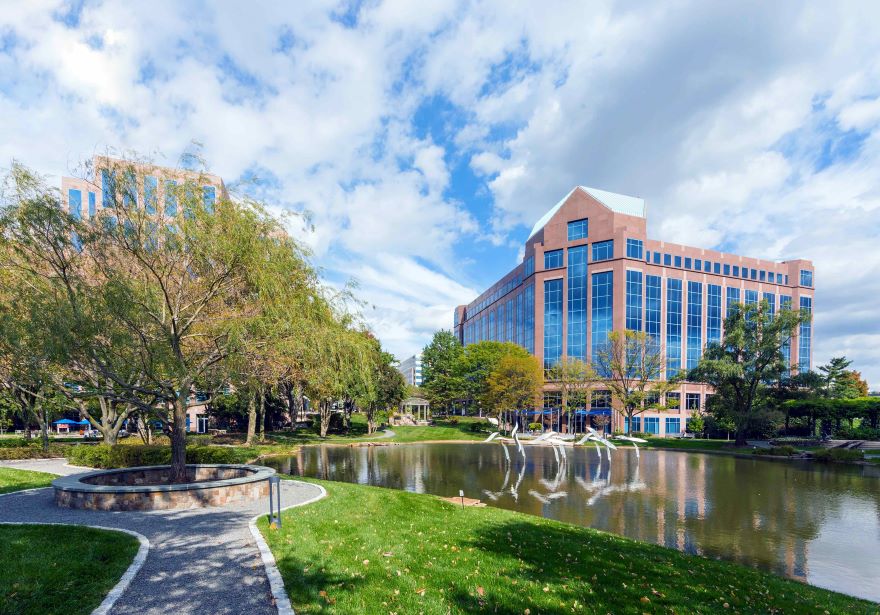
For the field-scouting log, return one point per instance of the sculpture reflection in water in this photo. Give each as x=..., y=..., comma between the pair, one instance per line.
x=600, y=484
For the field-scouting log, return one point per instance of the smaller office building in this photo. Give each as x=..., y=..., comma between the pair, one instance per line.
x=411, y=368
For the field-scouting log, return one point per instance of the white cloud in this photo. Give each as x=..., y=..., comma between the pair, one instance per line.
x=751, y=125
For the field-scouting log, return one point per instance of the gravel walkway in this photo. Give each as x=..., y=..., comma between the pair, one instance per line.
x=202, y=560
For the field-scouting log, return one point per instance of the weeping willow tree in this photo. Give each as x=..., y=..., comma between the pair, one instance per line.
x=143, y=301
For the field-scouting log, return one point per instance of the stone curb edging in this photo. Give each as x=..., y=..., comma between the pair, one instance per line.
x=276, y=583
x=129, y=574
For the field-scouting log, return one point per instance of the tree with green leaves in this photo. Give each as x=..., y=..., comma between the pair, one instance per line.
x=173, y=292
x=631, y=365
x=478, y=362
x=575, y=380
x=749, y=357
x=441, y=371
x=514, y=383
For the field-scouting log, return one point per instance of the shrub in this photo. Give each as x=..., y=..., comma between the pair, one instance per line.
x=452, y=422
x=33, y=451
x=838, y=454
x=776, y=451
x=535, y=426
x=857, y=433
x=128, y=456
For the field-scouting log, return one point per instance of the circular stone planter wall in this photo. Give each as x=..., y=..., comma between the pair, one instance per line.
x=147, y=488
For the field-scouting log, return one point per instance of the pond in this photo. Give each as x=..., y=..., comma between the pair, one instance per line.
x=807, y=521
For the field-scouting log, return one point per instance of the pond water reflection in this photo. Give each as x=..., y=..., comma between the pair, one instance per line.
x=816, y=523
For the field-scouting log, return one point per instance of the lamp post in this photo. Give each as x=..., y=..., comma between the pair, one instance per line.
x=275, y=501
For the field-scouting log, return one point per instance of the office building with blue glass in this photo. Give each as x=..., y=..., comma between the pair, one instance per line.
x=589, y=268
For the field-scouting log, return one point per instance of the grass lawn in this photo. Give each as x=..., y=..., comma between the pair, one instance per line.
x=12, y=479
x=373, y=550
x=60, y=569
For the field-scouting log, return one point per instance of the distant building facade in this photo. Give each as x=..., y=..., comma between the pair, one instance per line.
x=411, y=368
x=589, y=268
x=148, y=186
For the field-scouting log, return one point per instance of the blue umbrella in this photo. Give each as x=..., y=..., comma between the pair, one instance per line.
x=65, y=422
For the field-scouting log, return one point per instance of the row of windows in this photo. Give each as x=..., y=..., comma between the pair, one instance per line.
x=694, y=324
x=577, y=302
x=707, y=266
x=111, y=185
x=552, y=322
x=602, y=307
x=804, y=336
x=652, y=424
x=475, y=307
x=633, y=300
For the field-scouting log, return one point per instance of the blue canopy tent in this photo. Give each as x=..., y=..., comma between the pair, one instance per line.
x=66, y=422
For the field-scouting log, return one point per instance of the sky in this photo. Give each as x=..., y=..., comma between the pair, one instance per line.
x=424, y=139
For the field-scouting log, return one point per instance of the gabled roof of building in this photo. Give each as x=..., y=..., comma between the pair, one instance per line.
x=620, y=203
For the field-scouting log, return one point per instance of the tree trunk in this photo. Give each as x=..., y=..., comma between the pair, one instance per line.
x=740, y=437
x=325, y=418
x=261, y=413
x=44, y=427
x=252, y=420
x=298, y=402
x=370, y=411
x=178, y=439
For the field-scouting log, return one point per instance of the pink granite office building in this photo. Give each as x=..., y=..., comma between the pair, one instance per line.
x=589, y=268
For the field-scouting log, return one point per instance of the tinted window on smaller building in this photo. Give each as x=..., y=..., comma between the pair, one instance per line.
x=736, y=271
x=806, y=277
x=687, y=262
x=603, y=250
x=553, y=259
x=698, y=264
x=667, y=259
x=673, y=401
x=717, y=267
x=656, y=258
x=634, y=248
x=707, y=266
x=763, y=275
x=678, y=261
x=754, y=274
x=726, y=269
x=692, y=401
x=578, y=229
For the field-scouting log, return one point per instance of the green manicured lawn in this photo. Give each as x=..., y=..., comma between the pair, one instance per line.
x=373, y=550
x=461, y=428
x=60, y=569
x=12, y=479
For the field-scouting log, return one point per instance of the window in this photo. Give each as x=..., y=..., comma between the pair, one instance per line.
x=553, y=259
x=751, y=297
x=636, y=424
x=713, y=314
x=578, y=229
x=726, y=269
x=602, y=307
x=779, y=278
x=732, y=299
x=667, y=260
x=603, y=250
x=652, y=425
x=770, y=298
x=652, y=309
x=74, y=204
x=634, y=248
x=678, y=261
x=92, y=207
x=170, y=198
x=648, y=256
x=694, y=324
x=785, y=304
x=687, y=262
x=577, y=302
x=520, y=330
x=673, y=327
x=656, y=258
x=673, y=425
x=698, y=264
x=736, y=271
x=530, y=319
x=804, y=336
x=763, y=275
x=754, y=275
x=151, y=194
x=633, y=300
x=673, y=401
x=500, y=323
x=511, y=335
x=108, y=188
x=209, y=197
x=692, y=401
x=528, y=266
x=806, y=278
x=552, y=322
x=707, y=267
x=129, y=190
x=491, y=335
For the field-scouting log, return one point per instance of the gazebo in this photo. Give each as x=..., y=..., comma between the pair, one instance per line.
x=65, y=425
x=417, y=409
